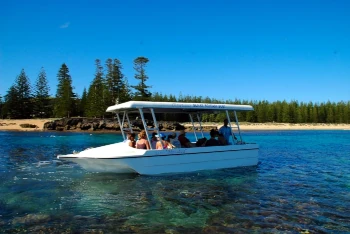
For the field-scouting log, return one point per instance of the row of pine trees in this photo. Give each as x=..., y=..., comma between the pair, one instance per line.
x=110, y=86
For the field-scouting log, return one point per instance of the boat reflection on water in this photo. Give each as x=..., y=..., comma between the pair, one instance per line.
x=131, y=194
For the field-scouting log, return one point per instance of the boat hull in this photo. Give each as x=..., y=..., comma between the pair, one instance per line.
x=154, y=162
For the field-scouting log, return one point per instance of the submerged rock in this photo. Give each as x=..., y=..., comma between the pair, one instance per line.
x=31, y=219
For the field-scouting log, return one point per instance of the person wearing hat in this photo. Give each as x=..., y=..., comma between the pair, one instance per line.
x=185, y=142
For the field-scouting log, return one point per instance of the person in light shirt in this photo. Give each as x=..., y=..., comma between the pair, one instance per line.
x=127, y=140
x=226, y=131
x=174, y=141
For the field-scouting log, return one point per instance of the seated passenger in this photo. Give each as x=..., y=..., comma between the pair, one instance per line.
x=154, y=140
x=132, y=142
x=201, y=142
x=127, y=140
x=142, y=142
x=184, y=141
x=222, y=139
x=212, y=141
x=175, y=142
x=161, y=143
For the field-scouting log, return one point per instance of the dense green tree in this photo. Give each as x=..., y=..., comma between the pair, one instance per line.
x=347, y=112
x=322, y=113
x=1, y=105
x=9, y=109
x=285, y=112
x=114, y=78
x=142, y=93
x=117, y=87
x=157, y=97
x=24, y=105
x=42, y=107
x=126, y=94
x=330, y=112
x=262, y=111
x=96, y=105
x=64, y=102
x=83, y=103
x=172, y=98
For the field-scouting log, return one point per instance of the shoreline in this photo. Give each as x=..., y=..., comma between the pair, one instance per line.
x=14, y=125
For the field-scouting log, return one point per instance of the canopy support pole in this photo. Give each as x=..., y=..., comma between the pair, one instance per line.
x=194, y=129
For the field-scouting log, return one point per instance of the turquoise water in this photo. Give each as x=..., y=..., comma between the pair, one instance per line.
x=301, y=185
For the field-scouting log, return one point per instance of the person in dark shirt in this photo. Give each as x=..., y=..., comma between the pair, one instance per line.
x=185, y=142
x=212, y=141
x=222, y=139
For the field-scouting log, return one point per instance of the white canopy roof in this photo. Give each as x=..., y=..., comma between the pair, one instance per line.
x=176, y=107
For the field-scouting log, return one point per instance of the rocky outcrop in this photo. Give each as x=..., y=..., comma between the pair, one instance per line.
x=28, y=125
x=96, y=124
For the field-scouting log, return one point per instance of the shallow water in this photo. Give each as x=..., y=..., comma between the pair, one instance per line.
x=302, y=184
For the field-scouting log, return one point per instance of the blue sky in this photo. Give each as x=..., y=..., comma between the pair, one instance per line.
x=224, y=49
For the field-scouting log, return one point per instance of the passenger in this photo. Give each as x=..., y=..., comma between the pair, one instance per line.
x=132, y=142
x=184, y=141
x=161, y=143
x=222, y=139
x=175, y=142
x=142, y=143
x=201, y=142
x=213, y=141
x=154, y=140
x=127, y=140
x=170, y=146
x=227, y=132
x=138, y=138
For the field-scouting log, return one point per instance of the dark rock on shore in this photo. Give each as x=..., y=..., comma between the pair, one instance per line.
x=97, y=124
x=28, y=126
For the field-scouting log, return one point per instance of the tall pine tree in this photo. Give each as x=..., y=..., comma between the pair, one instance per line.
x=1, y=105
x=9, y=109
x=64, y=103
x=142, y=93
x=125, y=94
x=42, y=106
x=118, y=89
x=24, y=105
x=83, y=101
x=96, y=105
x=113, y=81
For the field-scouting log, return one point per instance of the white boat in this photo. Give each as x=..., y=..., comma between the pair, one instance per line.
x=121, y=158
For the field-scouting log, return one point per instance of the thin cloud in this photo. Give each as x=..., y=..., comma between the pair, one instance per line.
x=65, y=25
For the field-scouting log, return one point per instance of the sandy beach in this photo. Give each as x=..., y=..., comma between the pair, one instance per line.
x=15, y=125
